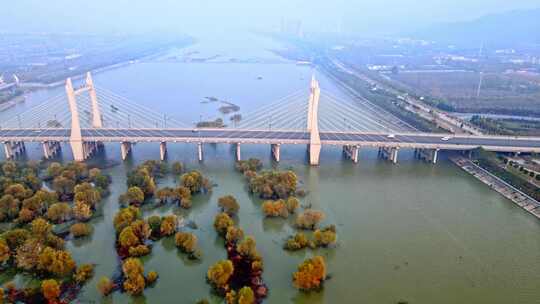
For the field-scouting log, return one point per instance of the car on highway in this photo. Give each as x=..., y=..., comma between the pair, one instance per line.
x=391, y=136
x=446, y=138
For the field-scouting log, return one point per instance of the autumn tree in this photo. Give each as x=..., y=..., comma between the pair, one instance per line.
x=128, y=238
x=309, y=219
x=220, y=273
x=134, y=196
x=275, y=208
x=234, y=234
x=152, y=277
x=297, y=242
x=83, y=273
x=54, y=170
x=142, y=179
x=79, y=230
x=177, y=168
x=28, y=253
x=59, y=212
x=50, y=290
x=4, y=251
x=15, y=237
x=248, y=248
x=40, y=227
x=56, y=262
x=165, y=194
x=292, y=204
x=133, y=271
x=81, y=211
x=64, y=186
x=18, y=191
x=187, y=242
x=183, y=195
x=192, y=180
x=9, y=207
x=246, y=295
x=105, y=286
x=124, y=217
x=310, y=275
x=168, y=225
x=222, y=221
x=325, y=237
x=87, y=194
x=252, y=164
x=228, y=204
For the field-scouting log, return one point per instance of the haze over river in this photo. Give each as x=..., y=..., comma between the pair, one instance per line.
x=411, y=232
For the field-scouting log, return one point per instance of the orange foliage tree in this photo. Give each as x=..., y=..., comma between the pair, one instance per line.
x=311, y=273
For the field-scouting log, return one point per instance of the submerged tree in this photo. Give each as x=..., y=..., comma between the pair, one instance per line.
x=309, y=219
x=220, y=273
x=187, y=242
x=50, y=290
x=133, y=271
x=325, y=237
x=105, y=286
x=310, y=275
x=222, y=222
x=228, y=204
x=80, y=229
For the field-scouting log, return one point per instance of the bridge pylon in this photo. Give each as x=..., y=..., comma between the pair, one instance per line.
x=96, y=113
x=313, y=123
x=75, y=138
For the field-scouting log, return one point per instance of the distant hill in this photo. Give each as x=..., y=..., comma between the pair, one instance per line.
x=509, y=28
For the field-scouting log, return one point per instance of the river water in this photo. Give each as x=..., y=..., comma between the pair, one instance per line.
x=410, y=232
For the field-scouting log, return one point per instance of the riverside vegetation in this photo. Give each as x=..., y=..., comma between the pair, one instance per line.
x=39, y=220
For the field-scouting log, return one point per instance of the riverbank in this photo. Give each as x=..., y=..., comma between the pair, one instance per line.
x=516, y=196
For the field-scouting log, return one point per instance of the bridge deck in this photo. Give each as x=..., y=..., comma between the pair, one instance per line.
x=374, y=139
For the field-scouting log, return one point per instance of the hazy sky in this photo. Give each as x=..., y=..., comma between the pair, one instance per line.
x=367, y=16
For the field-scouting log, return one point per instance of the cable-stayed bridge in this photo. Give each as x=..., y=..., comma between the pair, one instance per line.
x=89, y=116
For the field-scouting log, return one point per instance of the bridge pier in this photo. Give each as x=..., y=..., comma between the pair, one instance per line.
x=276, y=151
x=389, y=153
x=89, y=148
x=200, y=151
x=162, y=150
x=125, y=148
x=238, y=152
x=50, y=149
x=429, y=155
x=13, y=149
x=351, y=152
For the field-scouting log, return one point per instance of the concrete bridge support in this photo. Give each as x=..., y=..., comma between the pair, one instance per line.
x=50, y=149
x=13, y=149
x=389, y=153
x=125, y=148
x=351, y=152
x=238, y=152
x=89, y=148
x=429, y=155
x=276, y=151
x=200, y=151
x=162, y=150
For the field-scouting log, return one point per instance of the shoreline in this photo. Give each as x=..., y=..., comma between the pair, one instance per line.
x=516, y=196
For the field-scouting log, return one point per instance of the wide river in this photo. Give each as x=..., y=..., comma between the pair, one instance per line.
x=411, y=232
